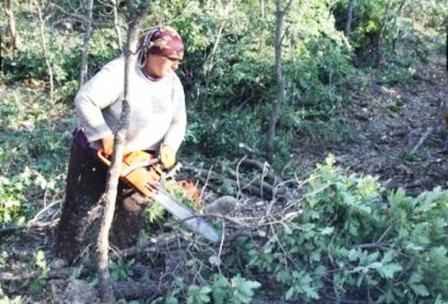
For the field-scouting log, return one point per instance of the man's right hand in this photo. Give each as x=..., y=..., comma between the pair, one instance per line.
x=108, y=144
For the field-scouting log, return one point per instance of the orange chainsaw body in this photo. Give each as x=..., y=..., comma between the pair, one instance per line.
x=142, y=171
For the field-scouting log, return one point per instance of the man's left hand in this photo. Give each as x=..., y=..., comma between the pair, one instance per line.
x=167, y=156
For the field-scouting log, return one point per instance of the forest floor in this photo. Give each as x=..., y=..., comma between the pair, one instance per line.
x=397, y=132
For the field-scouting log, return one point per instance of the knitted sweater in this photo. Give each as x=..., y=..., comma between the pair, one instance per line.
x=157, y=108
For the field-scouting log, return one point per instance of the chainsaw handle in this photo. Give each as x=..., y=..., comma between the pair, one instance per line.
x=142, y=164
x=101, y=155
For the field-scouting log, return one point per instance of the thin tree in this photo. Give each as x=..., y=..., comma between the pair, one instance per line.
x=262, y=25
x=280, y=96
x=210, y=61
x=117, y=24
x=45, y=51
x=348, y=22
x=15, y=42
x=135, y=20
x=446, y=46
x=83, y=69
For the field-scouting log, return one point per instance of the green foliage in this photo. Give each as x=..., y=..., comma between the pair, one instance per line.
x=322, y=130
x=11, y=197
x=33, y=153
x=155, y=212
x=65, y=54
x=121, y=270
x=222, y=135
x=364, y=245
x=384, y=31
x=4, y=299
x=220, y=290
x=40, y=264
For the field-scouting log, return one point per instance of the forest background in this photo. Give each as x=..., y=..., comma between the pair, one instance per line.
x=279, y=83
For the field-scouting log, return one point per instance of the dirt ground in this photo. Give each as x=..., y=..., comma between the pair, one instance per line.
x=399, y=133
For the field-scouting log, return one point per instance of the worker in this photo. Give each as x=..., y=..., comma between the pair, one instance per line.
x=157, y=122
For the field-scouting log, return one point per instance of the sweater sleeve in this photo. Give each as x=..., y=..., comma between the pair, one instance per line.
x=176, y=132
x=97, y=94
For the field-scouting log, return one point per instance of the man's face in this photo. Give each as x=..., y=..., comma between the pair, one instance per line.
x=161, y=66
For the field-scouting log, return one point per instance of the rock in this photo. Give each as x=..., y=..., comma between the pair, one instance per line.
x=221, y=206
x=80, y=292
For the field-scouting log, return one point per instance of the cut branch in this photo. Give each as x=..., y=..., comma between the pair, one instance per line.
x=422, y=139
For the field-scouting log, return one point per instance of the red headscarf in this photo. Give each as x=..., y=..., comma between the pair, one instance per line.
x=163, y=41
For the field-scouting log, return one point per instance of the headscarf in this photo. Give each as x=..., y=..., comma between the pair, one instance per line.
x=162, y=41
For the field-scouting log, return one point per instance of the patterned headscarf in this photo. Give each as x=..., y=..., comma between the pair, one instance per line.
x=163, y=41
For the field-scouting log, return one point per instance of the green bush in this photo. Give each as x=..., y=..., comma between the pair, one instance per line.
x=352, y=240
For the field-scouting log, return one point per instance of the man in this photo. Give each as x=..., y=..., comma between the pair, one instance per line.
x=157, y=123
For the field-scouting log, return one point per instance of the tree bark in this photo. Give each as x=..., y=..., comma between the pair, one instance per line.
x=446, y=45
x=45, y=49
x=15, y=37
x=278, y=103
x=262, y=25
x=209, y=62
x=136, y=18
x=348, y=23
x=379, y=44
x=83, y=69
x=117, y=24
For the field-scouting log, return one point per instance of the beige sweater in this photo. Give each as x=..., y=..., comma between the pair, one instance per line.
x=157, y=108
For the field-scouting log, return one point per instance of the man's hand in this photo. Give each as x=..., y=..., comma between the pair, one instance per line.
x=167, y=156
x=108, y=144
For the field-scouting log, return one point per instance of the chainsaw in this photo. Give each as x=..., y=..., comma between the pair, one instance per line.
x=143, y=172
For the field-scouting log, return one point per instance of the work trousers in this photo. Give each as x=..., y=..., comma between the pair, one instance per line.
x=82, y=207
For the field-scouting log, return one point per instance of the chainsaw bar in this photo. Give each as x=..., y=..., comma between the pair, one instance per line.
x=136, y=174
x=186, y=215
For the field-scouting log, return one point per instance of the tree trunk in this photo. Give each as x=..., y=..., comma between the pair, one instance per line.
x=15, y=42
x=136, y=18
x=379, y=43
x=210, y=61
x=348, y=23
x=117, y=25
x=262, y=25
x=83, y=69
x=280, y=96
x=45, y=49
x=446, y=45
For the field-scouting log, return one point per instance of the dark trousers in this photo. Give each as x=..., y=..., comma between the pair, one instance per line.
x=82, y=209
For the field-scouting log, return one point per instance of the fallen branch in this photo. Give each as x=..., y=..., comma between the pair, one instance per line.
x=149, y=246
x=422, y=139
x=258, y=188
x=37, y=225
x=137, y=290
x=251, y=151
x=24, y=276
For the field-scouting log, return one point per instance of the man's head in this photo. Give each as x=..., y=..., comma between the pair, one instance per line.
x=162, y=49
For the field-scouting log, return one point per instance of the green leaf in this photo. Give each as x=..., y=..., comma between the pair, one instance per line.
x=388, y=271
x=420, y=290
x=220, y=290
x=327, y=231
x=243, y=289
